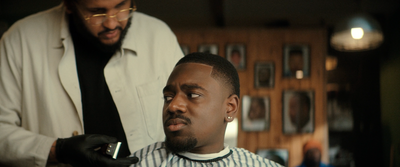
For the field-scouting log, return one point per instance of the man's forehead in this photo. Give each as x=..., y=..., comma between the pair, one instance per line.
x=190, y=72
x=194, y=67
x=101, y=3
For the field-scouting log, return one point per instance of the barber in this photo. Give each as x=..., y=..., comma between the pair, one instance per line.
x=78, y=76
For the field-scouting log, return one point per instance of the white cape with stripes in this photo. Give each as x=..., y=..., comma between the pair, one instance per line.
x=156, y=155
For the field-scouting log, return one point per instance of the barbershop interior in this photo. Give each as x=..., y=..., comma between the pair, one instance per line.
x=340, y=57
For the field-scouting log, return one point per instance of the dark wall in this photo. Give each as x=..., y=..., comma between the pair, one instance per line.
x=12, y=10
x=359, y=72
x=390, y=91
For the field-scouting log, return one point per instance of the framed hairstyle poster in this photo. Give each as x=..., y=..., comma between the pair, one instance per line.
x=298, y=111
x=280, y=156
x=296, y=61
x=255, y=113
x=264, y=75
x=236, y=54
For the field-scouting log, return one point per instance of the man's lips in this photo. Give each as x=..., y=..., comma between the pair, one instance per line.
x=111, y=34
x=175, y=124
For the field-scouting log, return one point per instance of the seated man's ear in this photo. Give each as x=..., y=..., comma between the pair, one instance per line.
x=231, y=108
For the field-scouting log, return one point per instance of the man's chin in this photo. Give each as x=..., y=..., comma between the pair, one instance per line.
x=177, y=145
x=109, y=42
x=109, y=48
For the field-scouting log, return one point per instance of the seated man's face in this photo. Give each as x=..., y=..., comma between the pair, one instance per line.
x=194, y=109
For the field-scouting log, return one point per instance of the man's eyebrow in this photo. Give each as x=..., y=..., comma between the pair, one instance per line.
x=192, y=86
x=167, y=88
x=121, y=4
x=184, y=87
x=104, y=9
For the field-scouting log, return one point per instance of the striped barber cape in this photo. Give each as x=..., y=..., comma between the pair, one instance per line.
x=156, y=155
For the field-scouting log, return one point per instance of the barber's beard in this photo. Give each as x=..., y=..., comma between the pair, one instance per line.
x=177, y=146
x=94, y=41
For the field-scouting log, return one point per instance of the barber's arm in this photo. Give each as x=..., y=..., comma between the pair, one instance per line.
x=21, y=142
x=19, y=147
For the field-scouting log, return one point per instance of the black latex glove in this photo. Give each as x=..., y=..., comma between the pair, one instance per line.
x=79, y=151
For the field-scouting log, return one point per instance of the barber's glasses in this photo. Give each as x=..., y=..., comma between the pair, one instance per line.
x=121, y=15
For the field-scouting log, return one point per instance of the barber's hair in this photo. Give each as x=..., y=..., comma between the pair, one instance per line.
x=304, y=99
x=70, y=3
x=223, y=70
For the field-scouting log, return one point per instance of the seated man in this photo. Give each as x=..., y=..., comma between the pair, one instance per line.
x=200, y=98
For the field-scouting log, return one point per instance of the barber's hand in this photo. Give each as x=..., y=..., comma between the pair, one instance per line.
x=79, y=151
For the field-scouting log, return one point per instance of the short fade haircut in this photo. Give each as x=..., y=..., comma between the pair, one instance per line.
x=223, y=70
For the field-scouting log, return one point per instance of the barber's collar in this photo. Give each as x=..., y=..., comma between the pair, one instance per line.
x=63, y=27
x=130, y=42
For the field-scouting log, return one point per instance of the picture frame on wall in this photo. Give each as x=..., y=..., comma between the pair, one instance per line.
x=185, y=49
x=298, y=111
x=236, y=54
x=278, y=155
x=296, y=61
x=208, y=48
x=255, y=113
x=264, y=74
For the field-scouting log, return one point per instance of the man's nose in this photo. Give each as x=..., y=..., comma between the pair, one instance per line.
x=178, y=104
x=111, y=22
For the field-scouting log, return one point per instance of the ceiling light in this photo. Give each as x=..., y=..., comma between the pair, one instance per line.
x=357, y=33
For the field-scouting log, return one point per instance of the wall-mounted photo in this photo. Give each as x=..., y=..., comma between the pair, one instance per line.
x=280, y=156
x=255, y=113
x=298, y=111
x=185, y=49
x=236, y=54
x=264, y=75
x=208, y=48
x=296, y=61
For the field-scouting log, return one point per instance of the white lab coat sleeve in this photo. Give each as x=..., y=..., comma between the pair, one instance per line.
x=19, y=147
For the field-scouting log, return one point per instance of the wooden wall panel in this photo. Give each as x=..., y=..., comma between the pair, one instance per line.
x=267, y=45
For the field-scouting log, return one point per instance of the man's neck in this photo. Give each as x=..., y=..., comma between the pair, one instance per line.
x=206, y=156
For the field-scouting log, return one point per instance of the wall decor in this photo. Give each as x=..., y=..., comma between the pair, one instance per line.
x=255, y=113
x=298, y=111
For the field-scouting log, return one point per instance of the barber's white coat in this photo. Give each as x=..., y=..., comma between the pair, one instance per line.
x=40, y=98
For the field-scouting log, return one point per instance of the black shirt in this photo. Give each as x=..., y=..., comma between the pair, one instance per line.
x=100, y=115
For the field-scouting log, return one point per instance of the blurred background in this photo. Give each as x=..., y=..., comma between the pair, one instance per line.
x=357, y=93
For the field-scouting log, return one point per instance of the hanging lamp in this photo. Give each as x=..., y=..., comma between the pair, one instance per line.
x=359, y=32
